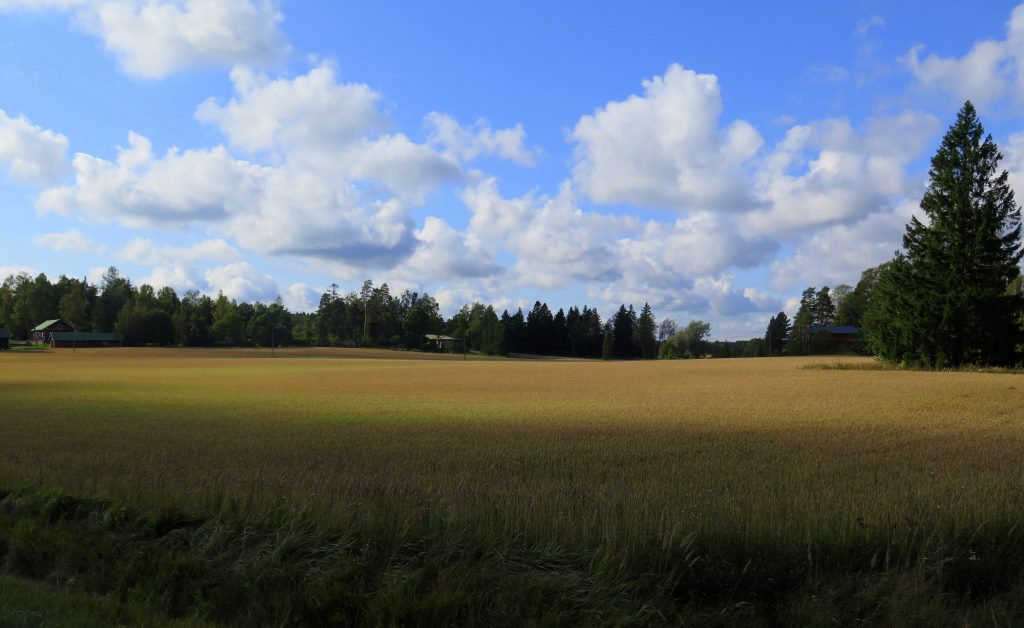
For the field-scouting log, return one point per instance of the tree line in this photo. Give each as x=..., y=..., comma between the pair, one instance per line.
x=370, y=317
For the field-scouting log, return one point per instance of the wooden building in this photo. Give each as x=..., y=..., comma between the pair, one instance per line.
x=5, y=339
x=82, y=340
x=41, y=332
x=833, y=338
x=444, y=343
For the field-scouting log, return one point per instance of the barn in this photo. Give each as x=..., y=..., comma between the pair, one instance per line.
x=833, y=338
x=82, y=340
x=444, y=343
x=5, y=339
x=41, y=332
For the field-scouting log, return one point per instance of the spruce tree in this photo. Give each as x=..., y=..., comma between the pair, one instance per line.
x=946, y=302
x=645, y=333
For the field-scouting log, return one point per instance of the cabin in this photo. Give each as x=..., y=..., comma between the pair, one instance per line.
x=82, y=340
x=5, y=339
x=836, y=337
x=444, y=343
x=41, y=332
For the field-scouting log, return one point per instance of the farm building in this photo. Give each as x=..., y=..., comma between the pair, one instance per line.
x=41, y=332
x=5, y=338
x=444, y=343
x=840, y=337
x=82, y=340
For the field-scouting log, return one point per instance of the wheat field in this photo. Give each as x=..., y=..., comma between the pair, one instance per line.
x=609, y=457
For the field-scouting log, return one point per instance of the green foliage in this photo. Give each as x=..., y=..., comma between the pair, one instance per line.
x=945, y=301
x=777, y=334
x=691, y=342
x=645, y=334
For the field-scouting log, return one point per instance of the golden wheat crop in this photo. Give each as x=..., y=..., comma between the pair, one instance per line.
x=578, y=453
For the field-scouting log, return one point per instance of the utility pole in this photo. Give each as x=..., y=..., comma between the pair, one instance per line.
x=272, y=348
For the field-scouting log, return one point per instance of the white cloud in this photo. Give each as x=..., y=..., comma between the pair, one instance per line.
x=556, y=243
x=154, y=38
x=140, y=190
x=840, y=253
x=980, y=75
x=70, y=241
x=146, y=252
x=1013, y=150
x=466, y=144
x=242, y=282
x=31, y=153
x=866, y=25
x=285, y=114
x=15, y=270
x=444, y=254
x=985, y=73
x=177, y=276
x=299, y=297
x=827, y=172
x=665, y=148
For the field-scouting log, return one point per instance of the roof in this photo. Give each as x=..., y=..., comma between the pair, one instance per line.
x=835, y=329
x=43, y=326
x=439, y=337
x=82, y=336
x=4, y=333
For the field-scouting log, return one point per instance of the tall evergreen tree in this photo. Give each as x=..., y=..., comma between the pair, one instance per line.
x=777, y=334
x=645, y=333
x=946, y=302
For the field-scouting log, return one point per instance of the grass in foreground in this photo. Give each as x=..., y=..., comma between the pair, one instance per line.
x=733, y=491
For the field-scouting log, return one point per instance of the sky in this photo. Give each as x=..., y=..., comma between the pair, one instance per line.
x=712, y=161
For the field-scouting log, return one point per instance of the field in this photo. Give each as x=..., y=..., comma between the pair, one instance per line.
x=366, y=487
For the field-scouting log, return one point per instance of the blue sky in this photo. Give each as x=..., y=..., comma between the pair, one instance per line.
x=712, y=160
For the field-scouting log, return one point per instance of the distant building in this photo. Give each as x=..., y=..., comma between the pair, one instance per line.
x=839, y=337
x=82, y=340
x=5, y=339
x=41, y=332
x=444, y=343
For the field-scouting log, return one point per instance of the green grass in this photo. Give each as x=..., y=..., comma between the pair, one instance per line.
x=31, y=604
x=228, y=487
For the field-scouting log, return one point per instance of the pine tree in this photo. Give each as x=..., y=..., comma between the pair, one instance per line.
x=777, y=334
x=946, y=303
x=645, y=333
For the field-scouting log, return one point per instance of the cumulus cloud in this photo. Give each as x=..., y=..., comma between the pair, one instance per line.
x=468, y=143
x=140, y=190
x=445, y=254
x=154, y=38
x=666, y=148
x=31, y=153
x=991, y=69
x=13, y=270
x=333, y=186
x=146, y=252
x=287, y=114
x=242, y=282
x=827, y=172
x=299, y=297
x=840, y=253
x=70, y=241
x=556, y=243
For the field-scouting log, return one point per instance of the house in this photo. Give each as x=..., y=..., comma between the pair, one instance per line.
x=5, y=339
x=82, y=340
x=832, y=338
x=444, y=343
x=41, y=332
